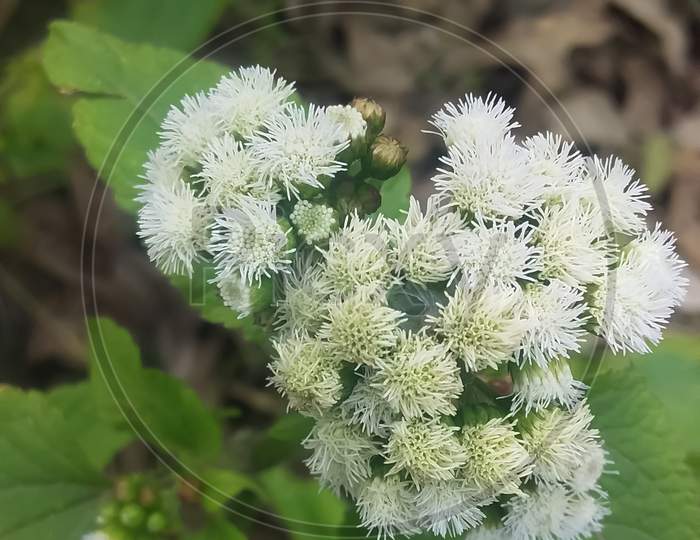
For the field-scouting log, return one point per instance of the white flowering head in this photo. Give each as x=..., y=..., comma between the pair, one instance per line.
x=356, y=256
x=360, y=329
x=236, y=294
x=340, y=453
x=496, y=458
x=571, y=245
x=248, y=240
x=551, y=512
x=245, y=99
x=501, y=255
x=555, y=315
x=298, y=148
x=349, y=119
x=173, y=224
x=423, y=247
x=366, y=407
x=474, y=119
x=557, y=163
x=426, y=450
x=306, y=374
x=162, y=168
x=304, y=300
x=481, y=327
x=447, y=508
x=386, y=507
x=229, y=172
x=313, y=222
x=536, y=388
x=620, y=200
x=420, y=378
x=488, y=181
x=556, y=440
x=585, y=478
x=187, y=129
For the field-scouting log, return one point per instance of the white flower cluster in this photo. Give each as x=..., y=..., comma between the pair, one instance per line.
x=231, y=165
x=395, y=334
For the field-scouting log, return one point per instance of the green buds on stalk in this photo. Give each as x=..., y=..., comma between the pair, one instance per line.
x=387, y=155
x=373, y=114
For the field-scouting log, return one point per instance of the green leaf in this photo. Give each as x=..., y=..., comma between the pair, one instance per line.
x=218, y=528
x=304, y=510
x=282, y=441
x=99, y=439
x=142, y=83
x=657, y=161
x=180, y=24
x=221, y=485
x=34, y=120
x=162, y=409
x=653, y=496
x=49, y=489
x=395, y=193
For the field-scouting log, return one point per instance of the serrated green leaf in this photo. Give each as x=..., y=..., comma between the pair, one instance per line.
x=395, y=194
x=49, y=489
x=180, y=24
x=162, y=409
x=304, y=510
x=653, y=496
x=99, y=439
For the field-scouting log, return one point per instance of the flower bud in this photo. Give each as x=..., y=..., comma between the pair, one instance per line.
x=131, y=516
x=387, y=156
x=156, y=522
x=373, y=114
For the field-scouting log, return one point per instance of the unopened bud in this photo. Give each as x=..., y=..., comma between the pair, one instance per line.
x=373, y=113
x=131, y=516
x=147, y=496
x=156, y=522
x=387, y=156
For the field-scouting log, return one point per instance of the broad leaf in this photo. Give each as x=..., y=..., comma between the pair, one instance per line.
x=162, y=409
x=395, y=194
x=282, y=441
x=218, y=528
x=49, y=489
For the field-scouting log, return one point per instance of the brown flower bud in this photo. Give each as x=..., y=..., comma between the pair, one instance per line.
x=387, y=156
x=373, y=113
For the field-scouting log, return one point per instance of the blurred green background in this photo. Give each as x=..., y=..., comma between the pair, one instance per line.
x=621, y=76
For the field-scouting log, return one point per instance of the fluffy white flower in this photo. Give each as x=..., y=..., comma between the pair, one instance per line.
x=536, y=388
x=352, y=125
x=423, y=247
x=630, y=306
x=360, y=329
x=236, y=294
x=474, y=119
x=653, y=254
x=307, y=374
x=187, y=130
x=553, y=513
x=586, y=477
x=305, y=294
x=230, y=172
x=173, y=224
x=357, y=256
x=297, y=148
x=161, y=168
x=570, y=244
x=618, y=199
x=496, y=458
x=558, y=164
x=555, y=321
x=314, y=222
x=341, y=453
x=386, y=506
x=245, y=99
x=447, y=508
x=421, y=377
x=556, y=441
x=488, y=181
x=248, y=240
x=481, y=327
x=488, y=532
x=500, y=254
x=367, y=407
x=426, y=450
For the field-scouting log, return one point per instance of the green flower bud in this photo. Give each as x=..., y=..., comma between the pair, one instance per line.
x=387, y=156
x=108, y=514
x=373, y=113
x=132, y=516
x=156, y=522
x=147, y=497
x=126, y=489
